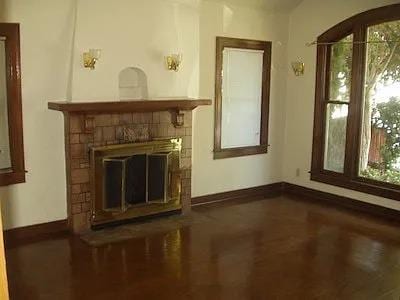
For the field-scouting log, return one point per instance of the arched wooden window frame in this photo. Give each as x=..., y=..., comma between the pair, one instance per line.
x=358, y=26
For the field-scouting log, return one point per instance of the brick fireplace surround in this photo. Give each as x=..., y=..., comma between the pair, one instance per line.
x=103, y=123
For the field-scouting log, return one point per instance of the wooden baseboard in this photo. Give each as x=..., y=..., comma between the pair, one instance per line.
x=22, y=235
x=28, y=234
x=264, y=191
x=276, y=189
x=341, y=201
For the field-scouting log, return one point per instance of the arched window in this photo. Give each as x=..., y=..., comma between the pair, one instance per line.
x=357, y=108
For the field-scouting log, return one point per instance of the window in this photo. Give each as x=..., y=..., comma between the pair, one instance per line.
x=356, y=141
x=241, y=97
x=12, y=167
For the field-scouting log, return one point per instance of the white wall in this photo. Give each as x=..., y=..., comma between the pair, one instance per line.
x=130, y=33
x=212, y=176
x=136, y=33
x=307, y=22
x=139, y=33
x=45, y=44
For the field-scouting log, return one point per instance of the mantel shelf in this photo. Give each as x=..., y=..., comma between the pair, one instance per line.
x=129, y=106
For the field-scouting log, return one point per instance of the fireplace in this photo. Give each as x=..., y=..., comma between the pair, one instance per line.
x=123, y=159
x=135, y=180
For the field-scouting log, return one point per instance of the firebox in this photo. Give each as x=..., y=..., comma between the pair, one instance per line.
x=135, y=180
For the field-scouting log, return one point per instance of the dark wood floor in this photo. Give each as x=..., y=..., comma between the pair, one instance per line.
x=281, y=248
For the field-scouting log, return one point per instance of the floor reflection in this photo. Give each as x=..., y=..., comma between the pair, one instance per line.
x=280, y=248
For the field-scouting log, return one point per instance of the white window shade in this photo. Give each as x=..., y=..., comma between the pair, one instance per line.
x=242, y=77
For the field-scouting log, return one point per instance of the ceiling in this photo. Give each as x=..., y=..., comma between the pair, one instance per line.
x=275, y=5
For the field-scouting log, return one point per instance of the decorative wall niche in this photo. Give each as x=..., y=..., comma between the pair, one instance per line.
x=133, y=84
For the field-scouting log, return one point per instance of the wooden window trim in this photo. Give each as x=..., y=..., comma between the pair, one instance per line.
x=356, y=25
x=16, y=174
x=266, y=46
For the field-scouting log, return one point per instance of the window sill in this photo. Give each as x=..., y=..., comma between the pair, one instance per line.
x=12, y=178
x=360, y=185
x=242, y=151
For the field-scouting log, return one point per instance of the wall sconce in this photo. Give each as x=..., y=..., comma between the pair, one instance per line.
x=173, y=62
x=90, y=58
x=298, y=68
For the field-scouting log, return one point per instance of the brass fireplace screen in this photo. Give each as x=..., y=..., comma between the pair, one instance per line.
x=135, y=180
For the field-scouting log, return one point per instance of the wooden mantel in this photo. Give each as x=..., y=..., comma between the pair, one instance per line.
x=129, y=106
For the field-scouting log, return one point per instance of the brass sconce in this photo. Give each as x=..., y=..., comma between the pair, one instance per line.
x=298, y=68
x=90, y=58
x=173, y=62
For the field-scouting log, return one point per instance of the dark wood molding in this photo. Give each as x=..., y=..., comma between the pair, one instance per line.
x=358, y=26
x=279, y=188
x=16, y=174
x=360, y=185
x=241, y=151
x=266, y=46
x=264, y=191
x=22, y=235
x=370, y=17
x=129, y=106
x=341, y=201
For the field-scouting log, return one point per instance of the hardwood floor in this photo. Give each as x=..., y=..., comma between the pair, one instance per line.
x=280, y=248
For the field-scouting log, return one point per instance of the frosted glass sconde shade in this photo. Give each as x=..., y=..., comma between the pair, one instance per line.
x=173, y=61
x=95, y=53
x=298, y=68
x=90, y=58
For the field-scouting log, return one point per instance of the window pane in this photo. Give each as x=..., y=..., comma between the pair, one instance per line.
x=380, y=138
x=340, y=69
x=335, y=137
